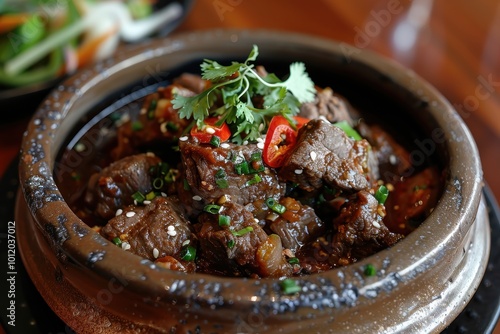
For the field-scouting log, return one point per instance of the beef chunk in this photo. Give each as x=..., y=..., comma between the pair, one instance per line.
x=358, y=231
x=329, y=105
x=146, y=228
x=212, y=172
x=324, y=154
x=297, y=225
x=112, y=188
x=220, y=250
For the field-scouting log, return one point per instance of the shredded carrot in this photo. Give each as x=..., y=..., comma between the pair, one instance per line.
x=11, y=21
x=85, y=53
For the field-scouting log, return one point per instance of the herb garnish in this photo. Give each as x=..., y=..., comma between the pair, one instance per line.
x=237, y=84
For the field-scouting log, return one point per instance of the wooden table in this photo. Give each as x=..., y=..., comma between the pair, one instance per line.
x=455, y=45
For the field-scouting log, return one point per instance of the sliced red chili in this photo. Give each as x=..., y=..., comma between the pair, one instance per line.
x=300, y=121
x=280, y=139
x=211, y=129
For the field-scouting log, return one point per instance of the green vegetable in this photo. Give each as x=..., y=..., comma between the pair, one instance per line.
x=243, y=231
x=230, y=243
x=215, y=141
x=256, y=179
x=138, y=197
x=293, y=260
x=237, y=84
x=188, y=253
x=381, y=194
x=224, y=220
x=275, y=206
x=290, y=286
x=370, y=270
x=212, y=208
x=117, y=241
x=349, y=131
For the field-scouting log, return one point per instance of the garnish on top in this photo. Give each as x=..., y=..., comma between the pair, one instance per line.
x=237, y=85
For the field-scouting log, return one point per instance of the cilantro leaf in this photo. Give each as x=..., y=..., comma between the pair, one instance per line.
x=300, y=84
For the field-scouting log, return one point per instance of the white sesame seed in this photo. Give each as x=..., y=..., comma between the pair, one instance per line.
x=261, y=127
x=224, y=145
x=260, y=145
x=130, y=214
x=171, y=227
x=197, y=198
x=125, y=246
x=392, y=159
x=163, y=194
x=135, y=202
x=186, y=242
x=163, y=127
x=260, y=140
x=79, y=147
x=313, y=155
x=156, y=253
x=172, y=233
x=183, y=138
x=150, y=154
x=376, y=224
x=245, y=142
x=146, y=202
x=210, y=130
x=118, y=212
x=298, y=171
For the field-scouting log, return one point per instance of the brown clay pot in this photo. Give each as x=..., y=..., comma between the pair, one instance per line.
x=423, y=282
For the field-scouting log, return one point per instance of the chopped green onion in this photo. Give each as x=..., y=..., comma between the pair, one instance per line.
x=186, y=185
x=257, y=156
x=349, y=131
x=152, y=109
x=293, y=260
x=224, y=220
x=150, y=195
x=172, y=126
x=137, y=126
x=381, y=194
x=243, y=231
x=222, y=183
x=290, y=286
x=215, y=141
x=275, y=206
x=212, y=208
x=138, y=197
x=242, y=168
x=117, y=241
x=158, y=183
x=230, y=243
x=188, y=253
x=164, y=168
x=370, y=270
x=256, y=179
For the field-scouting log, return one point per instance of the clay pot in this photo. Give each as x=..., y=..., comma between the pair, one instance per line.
x=422, y=283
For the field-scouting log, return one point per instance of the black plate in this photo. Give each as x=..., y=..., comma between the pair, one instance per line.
x=33, y=315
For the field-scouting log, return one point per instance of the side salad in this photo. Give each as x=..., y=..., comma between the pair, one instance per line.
x=41, y=40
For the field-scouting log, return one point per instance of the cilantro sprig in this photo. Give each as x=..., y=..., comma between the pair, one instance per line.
x=237, y=85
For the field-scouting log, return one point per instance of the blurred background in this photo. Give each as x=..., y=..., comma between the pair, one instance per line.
x=455, y=45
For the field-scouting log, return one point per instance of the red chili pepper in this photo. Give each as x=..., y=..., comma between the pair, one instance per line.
x=280, y=139
x=204, y=135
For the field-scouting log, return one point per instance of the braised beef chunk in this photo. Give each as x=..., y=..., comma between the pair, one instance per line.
x=297, y=225
x=112, y=188
x=229, y=249
x=233, y=170
x=324, y=154
x=358, y=231
x=328, y=105
x=158, y=225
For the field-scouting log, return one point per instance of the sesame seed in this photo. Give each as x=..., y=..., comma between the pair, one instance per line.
x=146, y=202
x=171, y=227
x=224, y=145
x=376, y=224
x=172, y=233
x=298, y=171
x=313, y=155
x=135, y=202
x=197, y=198
x=79, y=147
x=150, y=154
x=156, y=252
x=125, y=246
x=245, y=142
x=130, y=214
x=260, y=145
x=210, y=130
x=163, y=127
x=256, y=220
x=392, y=159
x=186, y=242
x=118, y=212
x=183, y=138
x=163, y=194
x=260, y=140
x=261, y=127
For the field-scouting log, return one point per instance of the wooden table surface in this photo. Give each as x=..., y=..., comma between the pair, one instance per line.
x=455, y=45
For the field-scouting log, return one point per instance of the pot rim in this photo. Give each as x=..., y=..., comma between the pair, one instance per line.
x=75, y=240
